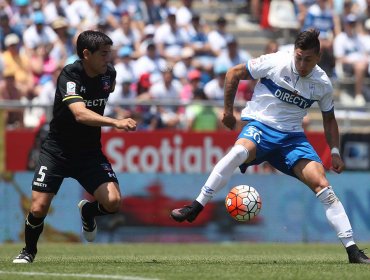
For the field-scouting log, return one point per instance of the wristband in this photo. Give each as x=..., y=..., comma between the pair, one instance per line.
x=335, y=151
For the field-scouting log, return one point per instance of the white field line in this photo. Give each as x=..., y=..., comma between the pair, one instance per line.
x=96, y=276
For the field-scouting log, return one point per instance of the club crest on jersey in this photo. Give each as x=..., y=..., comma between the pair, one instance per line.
x=71, y=88
x=106, y=166
x=106, y=83
x=287, y=79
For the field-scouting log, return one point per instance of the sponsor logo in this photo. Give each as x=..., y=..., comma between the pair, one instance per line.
x=96, y=102
x=71, y=88
x=292, y=98
x=43, y=185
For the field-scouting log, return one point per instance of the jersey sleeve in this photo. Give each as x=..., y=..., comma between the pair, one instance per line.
x=69, y=87
x=326, y=103
x=260, y=67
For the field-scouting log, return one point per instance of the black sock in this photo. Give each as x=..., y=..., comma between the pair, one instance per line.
x=32, y=231
x=93, y=209
x=352, y=248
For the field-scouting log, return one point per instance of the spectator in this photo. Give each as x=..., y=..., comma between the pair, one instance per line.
x=5, y=29
x=193, y=83
x=200, y=117
x=64, y=46
x=22, y=18
x=271, y=47
x=232, y=55
x=123, y=92
x=184, y=66
x=215, y=88
x=167, y=89
x=351, y=57
x=321, y=16
x=39, y=33
x=147, y=37
x=54, y=10
x=150, y=63
x=125, y=65
x=17, y=63
x=199, y=39
x=170, y=39
x=126, y=35
x=14, y=117
x=217, y=37
x=184, y=13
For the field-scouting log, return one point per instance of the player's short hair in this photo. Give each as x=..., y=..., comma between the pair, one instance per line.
x=92, y=41
x=307, y=40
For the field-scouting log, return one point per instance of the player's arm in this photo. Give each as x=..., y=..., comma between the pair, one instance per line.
x=332, y=138
x=233, y=76
x=88, y=117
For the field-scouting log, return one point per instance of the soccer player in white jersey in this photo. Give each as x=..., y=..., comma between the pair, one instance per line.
x=289, y=83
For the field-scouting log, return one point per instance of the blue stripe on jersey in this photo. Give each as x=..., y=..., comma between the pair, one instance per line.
x=286, y=95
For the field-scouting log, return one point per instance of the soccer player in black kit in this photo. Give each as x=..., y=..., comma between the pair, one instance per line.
x=72, y=147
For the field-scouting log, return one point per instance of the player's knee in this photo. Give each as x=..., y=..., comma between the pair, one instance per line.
x=40, y=210
x=327, y=196
x=113, y=205
x=240, y=153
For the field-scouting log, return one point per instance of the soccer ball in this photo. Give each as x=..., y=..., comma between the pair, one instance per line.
x=243, y=203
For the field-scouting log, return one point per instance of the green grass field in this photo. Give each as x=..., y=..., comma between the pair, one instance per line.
x=139, y=261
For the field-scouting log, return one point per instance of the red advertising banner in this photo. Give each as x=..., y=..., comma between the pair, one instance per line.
x=155, y=151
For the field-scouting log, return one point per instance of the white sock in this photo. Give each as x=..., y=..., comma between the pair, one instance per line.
x=336, y=215
x=222, y=172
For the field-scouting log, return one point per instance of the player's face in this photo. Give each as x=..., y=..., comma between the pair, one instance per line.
x=305, y=61
x=97, y=62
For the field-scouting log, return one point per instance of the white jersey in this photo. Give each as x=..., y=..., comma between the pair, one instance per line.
x=281, y=97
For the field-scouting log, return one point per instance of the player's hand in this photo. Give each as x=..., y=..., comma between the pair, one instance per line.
x=126, y=124
x=229, y=121
x=337, y=163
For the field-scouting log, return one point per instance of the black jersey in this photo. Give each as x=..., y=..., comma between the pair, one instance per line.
x=73, y=85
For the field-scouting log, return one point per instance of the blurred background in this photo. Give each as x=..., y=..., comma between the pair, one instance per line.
x=171, y=59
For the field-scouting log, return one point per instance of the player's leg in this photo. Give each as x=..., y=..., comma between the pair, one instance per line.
x=45, y=185
x=108, y=198
x=243, y=151
x=312, y=173
x=34, y=226
x=100, y=181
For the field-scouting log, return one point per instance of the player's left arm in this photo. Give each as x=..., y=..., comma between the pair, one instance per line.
x=88, y=117
x=332, y=138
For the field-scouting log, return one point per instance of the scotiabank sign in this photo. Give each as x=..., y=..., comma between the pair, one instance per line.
x=166, y=152
x=154, y=152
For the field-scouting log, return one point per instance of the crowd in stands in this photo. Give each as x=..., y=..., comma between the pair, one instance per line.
x=162, y=50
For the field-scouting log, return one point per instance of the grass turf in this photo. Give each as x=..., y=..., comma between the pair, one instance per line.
x=143, y=261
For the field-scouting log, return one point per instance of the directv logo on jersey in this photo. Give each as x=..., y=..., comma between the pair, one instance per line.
x=292, y=98
x=286, y=95
x=96, y=102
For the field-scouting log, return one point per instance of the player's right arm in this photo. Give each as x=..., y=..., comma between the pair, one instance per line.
x=233, y=76
x=88, y=117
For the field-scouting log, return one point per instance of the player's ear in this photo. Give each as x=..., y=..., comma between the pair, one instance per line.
x=86, y=53
x=319, y=55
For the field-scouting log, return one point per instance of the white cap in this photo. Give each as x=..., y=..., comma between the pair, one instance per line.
x=149, y=29
x=11, y=39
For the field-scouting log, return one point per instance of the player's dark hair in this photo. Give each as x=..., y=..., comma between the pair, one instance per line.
x=307, y=40
x=92, y=41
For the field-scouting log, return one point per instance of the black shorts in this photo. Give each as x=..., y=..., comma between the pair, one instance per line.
x=90, y=171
